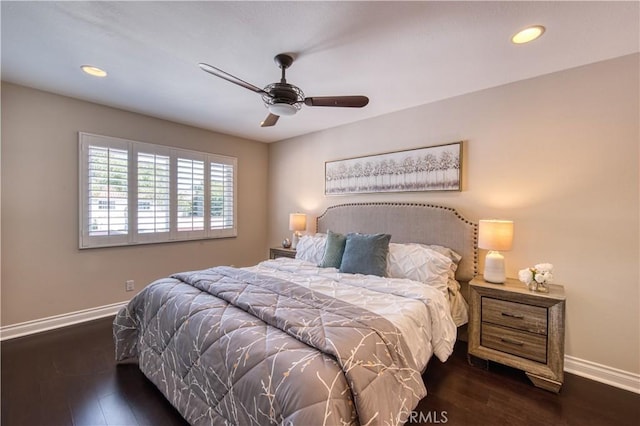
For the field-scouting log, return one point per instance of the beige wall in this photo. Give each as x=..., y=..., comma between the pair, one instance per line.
x=557, y=154
x=43, y=272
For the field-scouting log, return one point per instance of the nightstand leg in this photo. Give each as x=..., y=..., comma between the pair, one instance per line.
x=544, y=383
x=474, y=361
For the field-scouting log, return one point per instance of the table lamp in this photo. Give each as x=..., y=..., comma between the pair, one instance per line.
x=495, y=236
x=297, y=223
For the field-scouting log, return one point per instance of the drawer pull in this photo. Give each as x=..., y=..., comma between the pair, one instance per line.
x=510, y=315
x=512, y=342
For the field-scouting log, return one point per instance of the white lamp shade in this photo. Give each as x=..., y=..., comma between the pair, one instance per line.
x=297, y=222
x=495, y=235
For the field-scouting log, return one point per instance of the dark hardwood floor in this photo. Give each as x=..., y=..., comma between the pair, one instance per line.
x=69, y=377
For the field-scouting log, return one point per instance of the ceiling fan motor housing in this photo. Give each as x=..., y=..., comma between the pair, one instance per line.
x=283, y=98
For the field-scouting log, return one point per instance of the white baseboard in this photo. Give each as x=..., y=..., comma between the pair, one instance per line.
x=36, y=326
x=602, y=373
x=580, y=367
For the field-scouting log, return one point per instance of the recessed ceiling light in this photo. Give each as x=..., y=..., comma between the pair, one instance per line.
x=528, y=34
x=94, y=71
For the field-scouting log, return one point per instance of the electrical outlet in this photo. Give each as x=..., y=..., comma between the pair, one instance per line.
x=129, y=285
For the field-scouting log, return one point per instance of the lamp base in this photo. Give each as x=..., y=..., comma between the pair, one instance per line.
x=295, y=239
x=494, y=268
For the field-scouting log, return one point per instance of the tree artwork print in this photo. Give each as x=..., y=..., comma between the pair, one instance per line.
x=435, y=168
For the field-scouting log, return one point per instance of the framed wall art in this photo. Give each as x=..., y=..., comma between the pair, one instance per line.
x=434, y=168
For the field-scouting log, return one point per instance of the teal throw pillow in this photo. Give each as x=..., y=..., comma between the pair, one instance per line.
x=333, y=250
x=366, y=254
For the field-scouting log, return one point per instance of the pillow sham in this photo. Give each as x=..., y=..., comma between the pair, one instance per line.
x=311, y=248
x=366, y=254
x=446, y=251
x=333, y=250
x=454, y=256
x=419, y=263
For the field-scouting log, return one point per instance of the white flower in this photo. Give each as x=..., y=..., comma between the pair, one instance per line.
x=543, y=267
x=540, y=273
x=525, y=275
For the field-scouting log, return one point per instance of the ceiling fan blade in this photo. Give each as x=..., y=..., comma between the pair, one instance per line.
x=337, y=101
x=230, y=78
x=271, y=120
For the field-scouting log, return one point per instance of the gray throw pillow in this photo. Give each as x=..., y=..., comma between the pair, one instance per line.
x=366, y=254
x=333, y=250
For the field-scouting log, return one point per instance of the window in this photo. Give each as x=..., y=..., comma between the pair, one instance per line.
x=136, y=193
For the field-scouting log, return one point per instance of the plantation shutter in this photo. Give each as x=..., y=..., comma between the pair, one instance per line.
x=104, y=193
x=190, y=196
x=153, y=185
x=222, y=184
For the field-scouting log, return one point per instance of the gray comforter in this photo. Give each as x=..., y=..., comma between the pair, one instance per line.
x=228, y=346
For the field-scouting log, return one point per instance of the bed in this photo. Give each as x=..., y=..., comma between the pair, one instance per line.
x=289, y=342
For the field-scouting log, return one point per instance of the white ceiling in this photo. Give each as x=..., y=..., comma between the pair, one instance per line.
x=399, y=54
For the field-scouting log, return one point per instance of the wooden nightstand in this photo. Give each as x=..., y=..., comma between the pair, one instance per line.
x=522, y=329
x=275, y=252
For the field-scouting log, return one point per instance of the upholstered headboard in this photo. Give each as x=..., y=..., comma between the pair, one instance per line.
x=409, y=223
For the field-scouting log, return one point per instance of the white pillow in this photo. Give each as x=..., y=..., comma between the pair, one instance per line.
x=419, y=263
x=445, y=251
x=311, y=248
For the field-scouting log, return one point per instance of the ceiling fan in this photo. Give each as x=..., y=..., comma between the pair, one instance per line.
x=283, y=98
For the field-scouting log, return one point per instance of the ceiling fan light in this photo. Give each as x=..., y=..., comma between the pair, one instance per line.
x=282, y=109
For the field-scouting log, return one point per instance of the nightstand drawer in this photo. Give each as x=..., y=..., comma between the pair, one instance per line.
x=515, y=315
x=520, y=343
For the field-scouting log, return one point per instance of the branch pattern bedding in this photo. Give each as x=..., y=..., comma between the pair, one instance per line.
x=418, y=311
x=287, y=342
